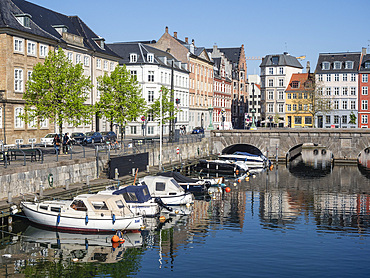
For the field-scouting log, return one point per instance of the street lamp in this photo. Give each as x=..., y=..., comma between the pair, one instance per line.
x=253, y=126
x=270, y=119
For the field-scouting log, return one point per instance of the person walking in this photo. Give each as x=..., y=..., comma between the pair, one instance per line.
x=66, y=142
x=56, y=143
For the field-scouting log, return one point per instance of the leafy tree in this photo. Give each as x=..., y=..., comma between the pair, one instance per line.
x=352, y=118
x=168, y=107
x=311, y=99
x=58, y=91
x=120, y=99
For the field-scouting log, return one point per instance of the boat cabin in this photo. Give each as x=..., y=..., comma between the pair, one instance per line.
x=134, y=193
x=162, y=186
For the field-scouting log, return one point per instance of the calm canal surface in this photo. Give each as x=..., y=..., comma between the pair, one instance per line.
x=289, y=222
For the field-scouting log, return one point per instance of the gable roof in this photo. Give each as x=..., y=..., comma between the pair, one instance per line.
x=298, y=77
x=43, y=20
x=232, y=53
x=284, y=59
x=124, y=49
x=338, y=57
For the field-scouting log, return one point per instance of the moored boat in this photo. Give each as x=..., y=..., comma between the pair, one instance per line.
x=188, y=184
x=85, y=213
x=222, y=167
x=251, y=160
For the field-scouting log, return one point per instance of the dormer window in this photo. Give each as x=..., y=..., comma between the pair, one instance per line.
x=295, y=84
x=367, y=65
x=24, y=19
x=349, y=65
x=100, y=42
x=60, y=29
x=133, y=58
x=337, y=65
x=275, y=60
x=150, y=58
x=325, y=65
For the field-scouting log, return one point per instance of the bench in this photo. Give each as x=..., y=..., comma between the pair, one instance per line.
x=33, y=153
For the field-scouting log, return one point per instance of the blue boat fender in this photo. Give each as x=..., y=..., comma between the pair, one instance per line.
x=113, y=218
x=86, y=219
x=58, y=218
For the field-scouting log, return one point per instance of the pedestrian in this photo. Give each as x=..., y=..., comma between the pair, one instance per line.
x=66, y=142
x=56, y=143
x=184, y=129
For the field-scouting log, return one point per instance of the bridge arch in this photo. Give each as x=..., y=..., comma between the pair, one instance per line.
x=241, y=148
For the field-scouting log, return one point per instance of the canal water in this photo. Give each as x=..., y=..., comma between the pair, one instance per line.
x=298, y=220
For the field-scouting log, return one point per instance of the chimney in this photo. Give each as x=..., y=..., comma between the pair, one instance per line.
x=308, y=68
x=186, y=40
x=214, y=48
x=364, y=51
x=166, y=30
x=175, y=35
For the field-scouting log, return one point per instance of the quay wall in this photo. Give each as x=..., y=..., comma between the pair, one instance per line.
x=28, y=179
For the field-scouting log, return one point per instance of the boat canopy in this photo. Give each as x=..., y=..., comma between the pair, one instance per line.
x=178, y=177
x=245, y=153
x=134, y=193
x=99, y=203
x=162, y=185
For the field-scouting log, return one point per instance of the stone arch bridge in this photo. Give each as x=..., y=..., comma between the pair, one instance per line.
x=343, y=143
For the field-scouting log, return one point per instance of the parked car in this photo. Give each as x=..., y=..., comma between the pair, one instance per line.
x=109, y=136
x=93, y=137
x=198, y=130
x=48, y=139
x=77, y=138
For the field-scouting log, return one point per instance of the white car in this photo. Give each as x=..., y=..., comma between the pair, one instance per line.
x=48, y=139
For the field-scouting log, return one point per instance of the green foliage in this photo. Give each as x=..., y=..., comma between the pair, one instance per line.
x=58, y=91
x=120, y=99
x=352, y=118
x=168, y=107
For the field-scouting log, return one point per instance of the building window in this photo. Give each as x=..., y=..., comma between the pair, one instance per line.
x=294, y=96
x=289, y=107
x=364, y=78
x=297, y=120
x=133, y=58
x=150, y=58
x=271, y=95
x=319, y=77
x=18, y=122
x=281, y=94
x=336, y=119
x=364, y=105
x=336, y=104
x=328, y=77
x=353, y=104
x=270, y=108
x=281, y=107
x=281, y=82
x=344, y=119
x=289, y=96
x=78, y=58
x=31, y=48
x=336, y=91
x=43, y=50
x=24, y=20
x=294, y=107
x=337, y=65
x=18, y=80
x=325, y=65
x=271, y=83
x=345, y=91
x=150, y=129
x=353, y=91
x=319, y=91
x=349, y=65
x=295, y=84
x=271, y=71
x=98, y=63
x=281, y=70
x=43, y=123
x=105, y=65
x=364, y=90
x=133, y=129
x=70, y=56
x=308, y=120
x=345, y=105
x=18, y=45
x=364, y=119
x=151, y=76
x=328, y=119
x=29, y=75
x=134, y=74
x=150, y=96
x=328, y=91
x=336, y=77
x=353, y=77
x=367, y=65
x=111, y=66
x=86, y=61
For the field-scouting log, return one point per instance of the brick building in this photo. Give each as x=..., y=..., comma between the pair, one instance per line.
x=363, y=96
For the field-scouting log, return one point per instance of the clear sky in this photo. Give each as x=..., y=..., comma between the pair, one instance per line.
x=263, y=26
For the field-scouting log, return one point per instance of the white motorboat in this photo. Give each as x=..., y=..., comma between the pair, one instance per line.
x=251, y=160
x=166, y=188
x=222, y=167
x=137, y=197
x=86, y=212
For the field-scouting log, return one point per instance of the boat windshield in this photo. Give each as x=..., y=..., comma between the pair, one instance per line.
x=175, y=183
x=120, y=204
x=130, y=197
x=78, y=205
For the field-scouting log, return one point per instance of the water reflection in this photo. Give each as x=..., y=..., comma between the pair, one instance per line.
x=337, y=202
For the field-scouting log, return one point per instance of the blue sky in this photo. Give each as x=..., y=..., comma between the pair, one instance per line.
x=263, y=26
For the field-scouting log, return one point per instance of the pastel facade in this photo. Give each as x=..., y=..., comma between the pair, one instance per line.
x=364, y=86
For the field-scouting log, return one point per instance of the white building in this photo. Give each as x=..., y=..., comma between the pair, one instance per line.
x=152, y=68
x=254, y=97
x=276, y=71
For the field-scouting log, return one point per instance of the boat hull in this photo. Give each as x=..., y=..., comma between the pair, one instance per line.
x=182, y=199
x=81, y=221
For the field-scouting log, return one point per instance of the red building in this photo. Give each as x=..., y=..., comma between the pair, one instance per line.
x=363, y=96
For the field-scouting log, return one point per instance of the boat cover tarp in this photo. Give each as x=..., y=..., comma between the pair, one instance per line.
x=141, y=191
x=178, y=177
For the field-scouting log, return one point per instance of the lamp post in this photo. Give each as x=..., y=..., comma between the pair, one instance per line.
x=270, y=119
x=253, y=126
x=210, y=110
